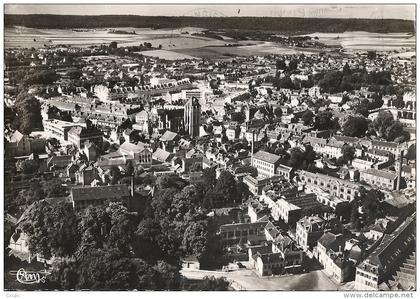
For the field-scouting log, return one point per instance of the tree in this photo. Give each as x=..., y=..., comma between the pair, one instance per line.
x=113, y=45
x=209, y=177
x=170, y=181
x=196, y=239
x=355, y=126
x=293, y=64
x=371, y=55
x=366, y=207
x=278, y=112
x=115, y=175
x=29, y=114
x=388, y=128
x=296, y=157
x=52, y=229
x=280, y=64
x=54, y=188
x=348, y=153
x=362, y=108
x=40, y=77
x=411, y=152
x=130, y=168
x=307, y=117
x=346, y=69
x=394, y=131
x=226, y=185
x=74, y=74
x=29, y=166
x=324, y=121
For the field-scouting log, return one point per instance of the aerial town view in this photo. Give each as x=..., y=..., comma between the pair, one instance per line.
x=210, y=148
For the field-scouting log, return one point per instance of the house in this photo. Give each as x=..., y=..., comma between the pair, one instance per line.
x=242, y=233
x=19, y=243
x=162, y=155
x=257, y=210
x=330, y=252
x=391, y=147
x=169, y=140
x=86, y=175
x=17, y=145
x=256, y=185
x=58, y=129
x=59, y=161
x=387, y=257
x=266, y=163
x=91, y=151
x=290, y=206
x=336, y=187
x=309, y=230
x=285, y=171
x=190, y=262
x=79, y=135
x=137, y=152
x=380, y=178
x=268, y=263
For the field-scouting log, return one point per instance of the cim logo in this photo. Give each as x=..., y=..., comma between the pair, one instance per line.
x=31, y=277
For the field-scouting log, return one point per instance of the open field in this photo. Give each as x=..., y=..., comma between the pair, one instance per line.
x=359, y=40
x=180, y=44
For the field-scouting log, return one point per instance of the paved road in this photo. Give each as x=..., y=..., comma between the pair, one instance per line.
x=248, y=280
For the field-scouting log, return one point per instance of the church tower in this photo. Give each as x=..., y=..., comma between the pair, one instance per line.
x=192, y=117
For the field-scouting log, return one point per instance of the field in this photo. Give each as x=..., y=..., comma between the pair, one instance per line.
x=358, y=40
x=180, y=43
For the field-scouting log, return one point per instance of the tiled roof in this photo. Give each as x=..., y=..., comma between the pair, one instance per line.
x=168, y=136
x=267, y=157
x=100, y=192
x=381, y=173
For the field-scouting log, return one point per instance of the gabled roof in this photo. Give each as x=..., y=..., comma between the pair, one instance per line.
x=169, y=136
x=161, y=155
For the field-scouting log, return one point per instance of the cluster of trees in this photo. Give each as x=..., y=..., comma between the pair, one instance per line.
x=38, y=190
x=28, y=110
x=108, y=247
x=355, y=126
x=302, y=159
x=352, y=79
x=224, y=191
x=387, y=127
x=97, y=245
x=366, y=208
x=278, y=24
x=35, y=77
x=324, y=120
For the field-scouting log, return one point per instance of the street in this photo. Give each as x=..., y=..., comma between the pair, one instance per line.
x=246, y=279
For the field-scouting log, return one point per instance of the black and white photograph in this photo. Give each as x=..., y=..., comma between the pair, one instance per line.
x=209, y=147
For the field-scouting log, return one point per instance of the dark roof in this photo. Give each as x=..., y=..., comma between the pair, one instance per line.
x=384, y=254
x=99, y=192
x=384, y=144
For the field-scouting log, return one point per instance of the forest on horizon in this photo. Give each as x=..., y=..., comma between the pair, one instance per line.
x=279, y=24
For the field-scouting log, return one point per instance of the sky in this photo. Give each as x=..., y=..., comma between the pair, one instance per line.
x=378, y=11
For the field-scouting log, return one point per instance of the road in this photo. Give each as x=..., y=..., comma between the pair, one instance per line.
x=246, y=279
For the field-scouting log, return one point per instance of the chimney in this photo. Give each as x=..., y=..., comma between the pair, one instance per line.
x=400, y=162
x=252, y=147
x=132, y=186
